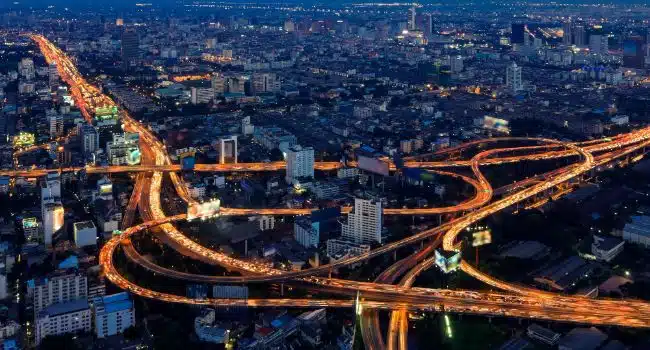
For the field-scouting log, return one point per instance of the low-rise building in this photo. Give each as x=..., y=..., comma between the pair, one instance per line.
x=69, y=317
x=638, y=231
x=606, y=248
x=85, y=234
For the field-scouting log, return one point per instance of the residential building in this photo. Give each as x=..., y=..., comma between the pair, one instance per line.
x=53, y=75
x=265, y=82
x=130, y=47
x=113, y=314
x=56, y=124
x=364, y=223
x=59, y=287
x=85, y=234
x=300, y=163
x=267, y=222
x=90, y=139
x=200, y=95
x=68, y=317
x=274, y=138
x=8, y=329
x=306, y=232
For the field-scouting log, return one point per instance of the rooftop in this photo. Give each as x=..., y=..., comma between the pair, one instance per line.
x=65, y=308
x=114, y=303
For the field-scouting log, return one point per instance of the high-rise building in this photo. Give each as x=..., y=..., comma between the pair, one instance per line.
x=218, y=84
x=53, y=218
x=56, y=124
x=579, y=35
x=246, y=127
x=633, y=55
x=69, y=317
x=26, y=68
x=456, y=63
x=567, y=36
x=598, y=44
x=200, y=95
x=364, y=223
x=90, y=138
x=113, y=314
x=228, y=150
x=58, y=287
x=289, y=26
x=412, y=18
x=266, y=82
x=130, y=47
x=300, y=163
x=53, y=75
x=518, y=31
x=306, y=232
x=513, y=78
x=428, y=25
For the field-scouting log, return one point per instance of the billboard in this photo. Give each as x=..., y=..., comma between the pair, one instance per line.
x=105, y=189
x=497, y=124
x=203, y=210
x=373, y=165
x=24, y=139
x=481, y=238
x=448, y=262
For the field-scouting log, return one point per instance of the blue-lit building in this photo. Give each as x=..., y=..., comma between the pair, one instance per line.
x=113, y=314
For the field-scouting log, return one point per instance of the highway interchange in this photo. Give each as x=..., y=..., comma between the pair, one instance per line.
x=513, y=301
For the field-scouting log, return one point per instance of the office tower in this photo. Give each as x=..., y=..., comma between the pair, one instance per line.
x=513, y=78
x=579, y=35
x=113, y=314
x=633, y=55
x=69, y=317
x=412, y=17
x=130, y=47
x=266, y=82
x=300, y=163
x=364, y=223
x=56, y=124
x=58, y=287
x=598, y=44
x=567, y=37
x=53, y=73
x=428, y=25
x=518, y=33
x=90, y=138
x=228, y=150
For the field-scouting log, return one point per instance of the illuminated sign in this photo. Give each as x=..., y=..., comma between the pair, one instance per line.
x=481, y=238
x=203, y=210
x=117, y=232
x=132, y=137
x=448, y=262
x=106, y=189
x=24, y=139
x=497, y=124
x=58, y=217
x=30, y=223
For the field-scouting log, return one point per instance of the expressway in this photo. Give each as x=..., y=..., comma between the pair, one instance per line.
x=523, y=303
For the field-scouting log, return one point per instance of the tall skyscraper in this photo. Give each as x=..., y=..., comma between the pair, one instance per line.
x=513, y=78
x=567, y=37
x=364, y=223
x=428, y=25
x=633, y=55
x=579, y=35
x=90, y=138
x=300, y=163
x=130, y=47
x=412, y=17
x=518, y=33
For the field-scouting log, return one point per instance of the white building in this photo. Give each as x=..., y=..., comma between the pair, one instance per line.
x=69, y=317
x=228, y=150
x=513, y=78
x=218, y=84
x=113, y=314
x=8, y=329
x=344, y=173
x=90, y=138
x=300, y=163
x=306, y=232
x=638, y=231
x=267, y=222
x=606, y=248
x=246, y=127
x=58, y=288
x=85, y=234
x=124, y=149
x=364, y=223
x=201, y=95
